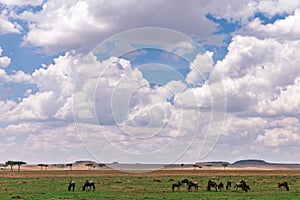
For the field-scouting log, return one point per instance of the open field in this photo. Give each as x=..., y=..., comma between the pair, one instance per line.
x=112, y=184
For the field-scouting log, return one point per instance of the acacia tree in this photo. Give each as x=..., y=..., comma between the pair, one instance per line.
x=11, y=164
x=101, y=165
x=89, y=165
x=19, y=163
x=182, y=165
x=224, y=165
x=195, y=166
x=70, y=165
x=209, y=165
x=41, y=165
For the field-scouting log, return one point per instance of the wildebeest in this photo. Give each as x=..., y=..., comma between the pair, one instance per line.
x=89, y=184
x=228, y=185
x=220, y=186
x=283, y=184
x=242, y=184
x=186, y=181
x=71, y=185
x=176, y=184
x=211, y=184
x=192, y=184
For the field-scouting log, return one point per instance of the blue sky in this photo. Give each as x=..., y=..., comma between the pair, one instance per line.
x=193, y=85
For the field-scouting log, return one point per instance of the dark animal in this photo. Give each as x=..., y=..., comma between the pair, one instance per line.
x=211, y=184
x=186, y=181
x=242, y=184
x=192, y=184
x=176, y=184
x=220, y=186
x=228, y=185
x=89, y=184
x=71, y=185
x=283, y=184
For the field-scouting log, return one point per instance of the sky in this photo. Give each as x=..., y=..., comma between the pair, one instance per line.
x=149, y=81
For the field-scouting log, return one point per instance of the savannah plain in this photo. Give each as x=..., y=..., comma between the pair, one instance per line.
x=114, y=184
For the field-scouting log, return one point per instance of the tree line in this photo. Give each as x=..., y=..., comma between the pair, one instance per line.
x=11, y=163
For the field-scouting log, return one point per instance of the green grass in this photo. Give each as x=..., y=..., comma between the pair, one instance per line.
x=144, y=187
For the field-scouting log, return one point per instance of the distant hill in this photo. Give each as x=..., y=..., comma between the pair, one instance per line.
x=250, y=162
x=80, y=162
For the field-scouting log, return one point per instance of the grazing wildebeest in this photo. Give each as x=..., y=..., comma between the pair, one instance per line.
x=192, y=184
x=186, y=181
x=89, y=184
x=242, y=184
x=211, y=184
x=176, y=184
x=283, y=184
x=71, y=185
x=220, y=186
x=228, y=185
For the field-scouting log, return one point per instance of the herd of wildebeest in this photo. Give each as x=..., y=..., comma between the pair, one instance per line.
x=211, y=184
x=189, y=184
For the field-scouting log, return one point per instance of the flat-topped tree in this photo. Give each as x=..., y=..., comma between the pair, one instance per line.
x=195, y=166
x=224, y=165
x=70, y=165
x=209, y=165
x=11, y=164
x=41, y=165
x=19, y=163
x=101, y=165
x=89, y=165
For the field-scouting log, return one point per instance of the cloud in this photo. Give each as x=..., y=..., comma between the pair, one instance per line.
x=277, y=7
x=244, y=12
x=55, y=87
x=21, y=2
x=200, y=69
x=284, y=132
x=56, y=143
x=114, y=102
x=4, y=60
x=287, y=102
x=254, y=73
x=283, y=29
x=65, y=25
x=15, y=76
x=6, y=25
x=57, y=26
x=3, y=76
x=78, y=25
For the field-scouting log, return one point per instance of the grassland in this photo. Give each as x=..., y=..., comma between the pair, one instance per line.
x=111, y=184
